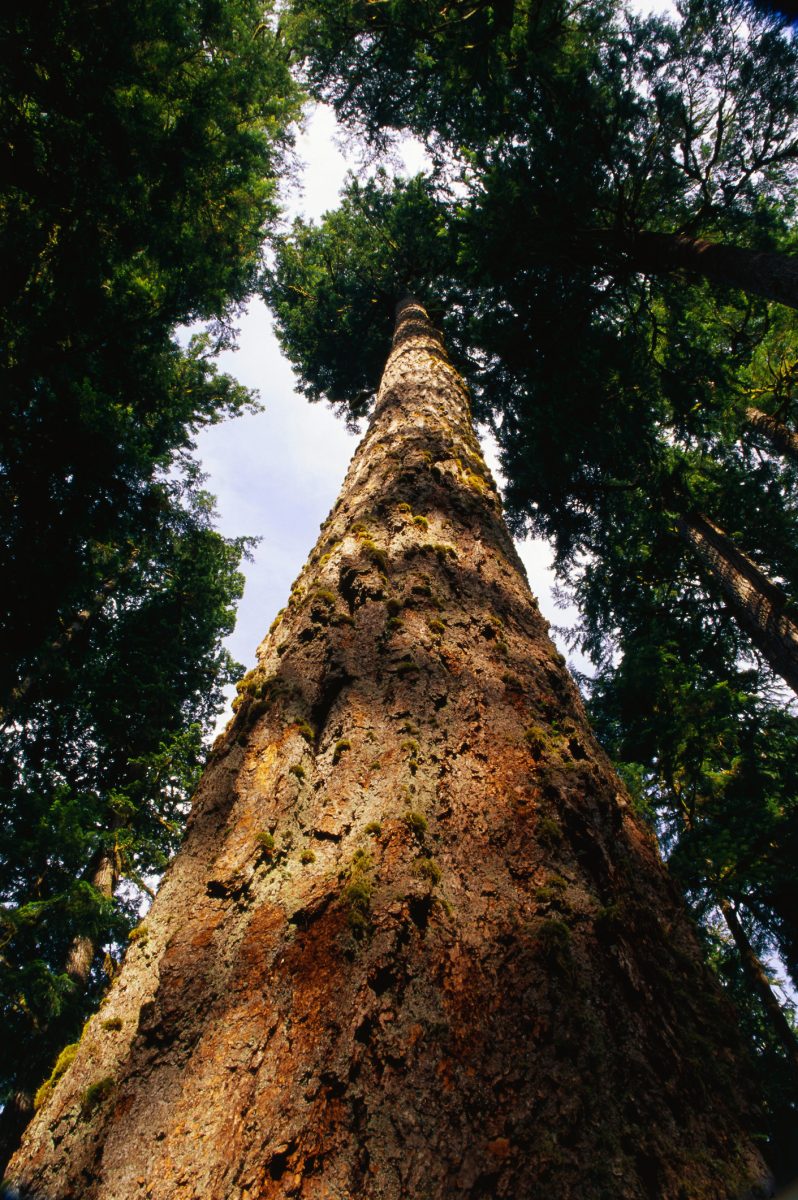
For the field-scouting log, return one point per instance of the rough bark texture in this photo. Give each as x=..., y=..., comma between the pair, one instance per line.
x=415, y=944
x=763, y=273
x=760, y=984
x=756, y=603
x=783, y=440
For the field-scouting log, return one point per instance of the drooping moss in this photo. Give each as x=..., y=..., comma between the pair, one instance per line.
x=62, y=1065
x=374, y=828
x=441, y=550
x=297, y=770
x=548, y=832
x=113, y=1024
x=305, y=730
x=307, y=856
x=427, y=868
x=277, y=620
x=341, y=748
x=342, y=619
x=416, y=822
x=266, y=843
x=95, y=1094
x=356, y=895
x=554, y=939
x=374, y=552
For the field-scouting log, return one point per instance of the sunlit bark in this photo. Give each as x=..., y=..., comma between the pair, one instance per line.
x=415, y=944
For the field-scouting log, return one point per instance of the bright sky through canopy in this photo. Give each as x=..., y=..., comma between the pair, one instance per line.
x=276, y=475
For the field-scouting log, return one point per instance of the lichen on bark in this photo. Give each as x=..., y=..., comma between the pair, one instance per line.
x=416, y=944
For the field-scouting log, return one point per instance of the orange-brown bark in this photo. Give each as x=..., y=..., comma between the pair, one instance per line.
x=415, y=944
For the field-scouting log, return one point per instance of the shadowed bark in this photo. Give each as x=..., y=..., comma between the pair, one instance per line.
x=783, y=439
x=760, y=985
x=756, y=603
x=769, y=274
x=415, y=944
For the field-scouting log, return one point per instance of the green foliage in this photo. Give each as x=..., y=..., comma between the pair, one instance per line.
x=142, y=145
x=337, y=284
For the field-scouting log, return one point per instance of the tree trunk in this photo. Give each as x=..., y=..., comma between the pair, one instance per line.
x=415, y=943
x=756, y=604
x=769, y=274
x=104, y=876
x=783, y=440
x=759, y=984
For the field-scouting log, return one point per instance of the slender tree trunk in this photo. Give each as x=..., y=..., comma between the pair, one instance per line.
x=756, y=604
x=104, y=876
x=769, y=274
x=783, y=440
x=759, y=984
x=415, y=943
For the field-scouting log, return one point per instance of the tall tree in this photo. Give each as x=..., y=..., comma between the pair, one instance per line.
x=416, y=941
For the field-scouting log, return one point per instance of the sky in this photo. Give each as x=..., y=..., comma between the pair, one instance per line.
x=277, y=474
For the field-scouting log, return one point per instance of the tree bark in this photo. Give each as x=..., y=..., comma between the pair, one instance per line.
x=783, y=440
x=103, y=875
x=415, y=943
x=756, y=603
x=759, y=984
x=769, y=274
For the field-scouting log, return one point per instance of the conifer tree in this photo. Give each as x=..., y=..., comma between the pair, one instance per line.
x=416, y=941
